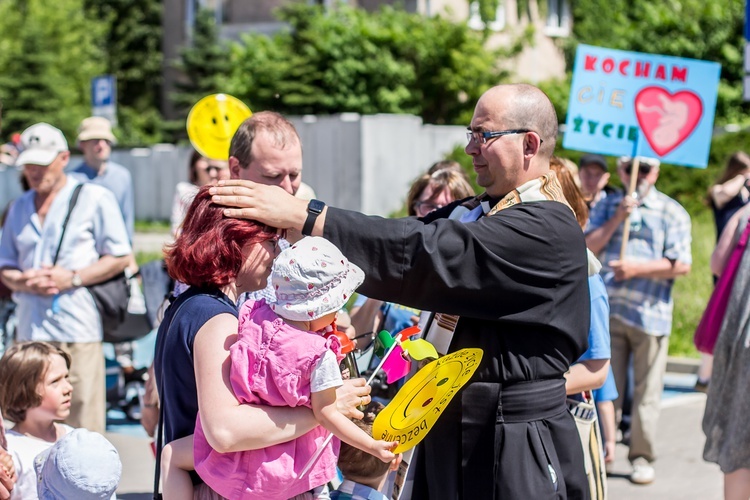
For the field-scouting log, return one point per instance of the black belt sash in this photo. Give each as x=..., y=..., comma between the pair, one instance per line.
x=487, y=408
x=521, y=402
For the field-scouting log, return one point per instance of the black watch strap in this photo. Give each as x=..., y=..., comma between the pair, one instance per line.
x=314, y=208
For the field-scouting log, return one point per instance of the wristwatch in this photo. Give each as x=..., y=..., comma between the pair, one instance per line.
x=314, y=208
x=76, y=280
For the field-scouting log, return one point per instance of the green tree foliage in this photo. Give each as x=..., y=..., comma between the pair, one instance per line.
x=698, y=29
x=349, y=60
x=205, y=65
x=132, y=45
x=48, y=57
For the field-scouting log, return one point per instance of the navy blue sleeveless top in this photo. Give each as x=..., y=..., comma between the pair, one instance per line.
x=173, y=357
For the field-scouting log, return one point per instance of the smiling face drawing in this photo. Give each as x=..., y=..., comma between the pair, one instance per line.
x=424, y=396
x=420, y=402
x=213, y=121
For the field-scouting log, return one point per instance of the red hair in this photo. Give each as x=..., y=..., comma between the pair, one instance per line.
x=208, y=251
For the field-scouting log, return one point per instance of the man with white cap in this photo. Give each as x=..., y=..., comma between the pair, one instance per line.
x=639, y=285
x=95, y=140
x=48, y=272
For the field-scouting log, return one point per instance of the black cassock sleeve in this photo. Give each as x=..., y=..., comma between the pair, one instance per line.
x=525, y=265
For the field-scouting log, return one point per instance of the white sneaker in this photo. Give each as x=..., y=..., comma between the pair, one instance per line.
x=643, y=472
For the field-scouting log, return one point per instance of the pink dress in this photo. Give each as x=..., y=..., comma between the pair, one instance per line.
x=271, y=365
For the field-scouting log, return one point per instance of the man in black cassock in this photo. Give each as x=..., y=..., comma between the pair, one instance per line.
x=513, y=269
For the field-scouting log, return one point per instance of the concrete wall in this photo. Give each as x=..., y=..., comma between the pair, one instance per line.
x=364, y=163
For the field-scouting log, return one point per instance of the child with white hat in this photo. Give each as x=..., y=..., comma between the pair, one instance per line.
x=281, y=358
x=82, y=465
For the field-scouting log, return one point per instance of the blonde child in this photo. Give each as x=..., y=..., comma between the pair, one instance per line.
x=35, y=394
x=281, y=358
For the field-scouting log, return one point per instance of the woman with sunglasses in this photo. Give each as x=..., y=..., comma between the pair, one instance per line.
x=202, y=171
x=220, y=258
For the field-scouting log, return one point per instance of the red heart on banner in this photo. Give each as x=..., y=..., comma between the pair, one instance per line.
x=667, y=119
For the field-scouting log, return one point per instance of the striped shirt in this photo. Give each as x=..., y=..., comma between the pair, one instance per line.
x=349, y=490
x=660, y=228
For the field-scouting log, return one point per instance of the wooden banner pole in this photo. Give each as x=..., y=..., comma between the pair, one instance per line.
x=631, y=189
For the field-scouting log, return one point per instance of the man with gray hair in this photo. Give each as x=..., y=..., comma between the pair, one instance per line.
x=49, y=254
x=510, y=268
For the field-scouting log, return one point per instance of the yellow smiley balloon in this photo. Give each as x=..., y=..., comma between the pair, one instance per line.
x=212, y=122
x=414, y=410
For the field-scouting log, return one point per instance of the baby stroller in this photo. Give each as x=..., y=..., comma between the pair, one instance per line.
x=127, y=362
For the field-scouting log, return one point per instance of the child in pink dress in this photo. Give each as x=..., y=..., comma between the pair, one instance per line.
x=281, y=358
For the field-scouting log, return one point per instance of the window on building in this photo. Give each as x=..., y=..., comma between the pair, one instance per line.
x=558, y=18
x=475, y=18
x=326, y=3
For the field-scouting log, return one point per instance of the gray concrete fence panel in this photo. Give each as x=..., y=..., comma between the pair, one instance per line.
x=364, y=163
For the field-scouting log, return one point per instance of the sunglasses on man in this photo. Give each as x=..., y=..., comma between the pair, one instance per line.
x=643, y=168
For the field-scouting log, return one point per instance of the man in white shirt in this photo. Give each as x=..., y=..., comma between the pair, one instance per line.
x=53, y=303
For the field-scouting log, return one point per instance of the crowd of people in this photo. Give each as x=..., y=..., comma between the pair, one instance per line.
x=563, y=281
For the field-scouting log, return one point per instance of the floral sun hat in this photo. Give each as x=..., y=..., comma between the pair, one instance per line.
x=312, y=278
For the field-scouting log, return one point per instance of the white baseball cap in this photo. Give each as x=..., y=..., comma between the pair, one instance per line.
x=312, y=278
x=41, y=143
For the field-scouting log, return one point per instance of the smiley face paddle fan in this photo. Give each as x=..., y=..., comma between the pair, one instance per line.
x=212, y=122
x=416, y=407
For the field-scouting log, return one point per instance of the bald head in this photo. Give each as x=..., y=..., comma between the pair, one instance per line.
x=512, y=155
x=523, y=106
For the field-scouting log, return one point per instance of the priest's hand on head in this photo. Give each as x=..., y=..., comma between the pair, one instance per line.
x=269, y=205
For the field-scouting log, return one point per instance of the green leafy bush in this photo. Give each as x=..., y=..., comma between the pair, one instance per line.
x=350, y=60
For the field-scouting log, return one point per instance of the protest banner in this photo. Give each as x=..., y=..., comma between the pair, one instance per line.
x=635, y=104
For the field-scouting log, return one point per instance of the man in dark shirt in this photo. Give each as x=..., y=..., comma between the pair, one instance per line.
x=513, y=268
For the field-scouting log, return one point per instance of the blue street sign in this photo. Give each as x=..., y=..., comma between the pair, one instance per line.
x=104, y=97
x=103, y=92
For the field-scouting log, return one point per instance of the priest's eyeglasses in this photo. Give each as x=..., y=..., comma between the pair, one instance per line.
x=483, y=137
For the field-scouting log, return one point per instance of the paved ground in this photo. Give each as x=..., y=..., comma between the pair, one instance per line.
x=681, y=472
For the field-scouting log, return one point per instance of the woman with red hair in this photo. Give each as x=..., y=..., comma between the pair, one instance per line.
x=219, y=258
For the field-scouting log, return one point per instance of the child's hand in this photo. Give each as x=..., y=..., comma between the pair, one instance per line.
x=7, y=474
x=383, y=450
x=6, y=460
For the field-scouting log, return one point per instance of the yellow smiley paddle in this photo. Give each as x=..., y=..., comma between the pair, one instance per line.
x=415, y=409
x=212, y=122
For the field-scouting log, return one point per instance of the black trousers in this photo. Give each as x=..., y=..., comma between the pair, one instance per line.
x=503, y=443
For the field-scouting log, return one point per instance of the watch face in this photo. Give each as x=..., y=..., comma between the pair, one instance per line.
x=315, y=206
x=76, y=280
